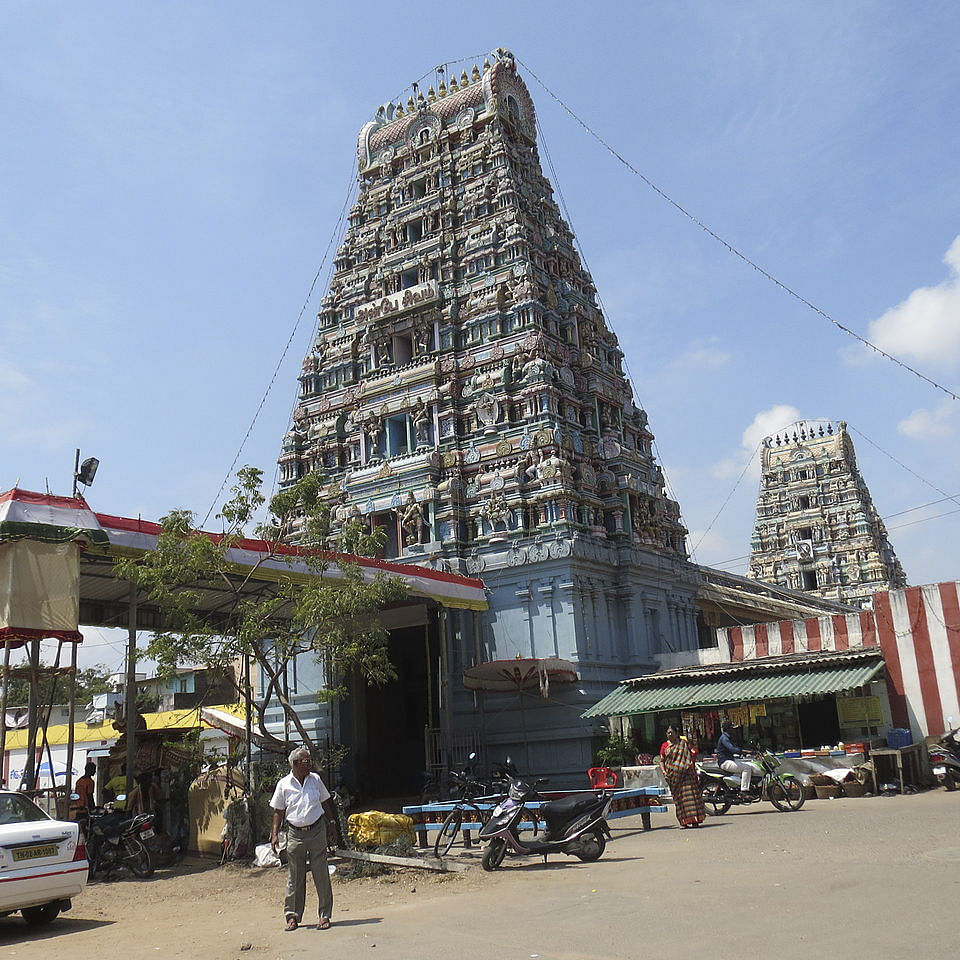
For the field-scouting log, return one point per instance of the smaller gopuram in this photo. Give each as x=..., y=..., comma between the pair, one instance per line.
x=816, y=527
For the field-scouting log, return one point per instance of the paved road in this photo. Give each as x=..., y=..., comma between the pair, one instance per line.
x=867, y=878
x=846, y=879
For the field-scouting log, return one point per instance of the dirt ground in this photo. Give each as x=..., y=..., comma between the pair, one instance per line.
x=876, y=877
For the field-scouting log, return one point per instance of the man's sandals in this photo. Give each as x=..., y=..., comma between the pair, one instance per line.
x=292, y=924
x=323, y=923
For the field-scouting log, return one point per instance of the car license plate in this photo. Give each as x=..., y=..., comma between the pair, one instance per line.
x=146, y=834
x=939, y=771
x=34, y=853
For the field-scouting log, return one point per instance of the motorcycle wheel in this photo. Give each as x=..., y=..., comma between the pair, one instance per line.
x=138, y=859
x=591, y=847
x=38, y=916
x=714, y=800
x=448, y=833
x=493, y=854
x=950, y=781
x=786, y=793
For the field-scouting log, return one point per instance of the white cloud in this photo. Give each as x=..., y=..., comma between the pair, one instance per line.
x=12, y=380
x=704, y=352
x=942, y=421
x=765, y=424
x=711, y=545
x=925, y=326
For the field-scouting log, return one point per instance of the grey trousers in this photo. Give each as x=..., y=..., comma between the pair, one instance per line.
x=304, y=844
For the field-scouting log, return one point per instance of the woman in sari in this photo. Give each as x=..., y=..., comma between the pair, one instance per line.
x=680, y=772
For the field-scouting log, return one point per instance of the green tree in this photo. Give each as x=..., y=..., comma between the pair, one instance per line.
x=270, y=620
x=90, y=681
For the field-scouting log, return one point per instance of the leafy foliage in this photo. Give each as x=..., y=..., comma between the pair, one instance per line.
x=616, y=752
x=90, y=681
x=265, y=612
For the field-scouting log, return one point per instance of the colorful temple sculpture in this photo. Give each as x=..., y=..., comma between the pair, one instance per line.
x=466, y=393
x=816, y=527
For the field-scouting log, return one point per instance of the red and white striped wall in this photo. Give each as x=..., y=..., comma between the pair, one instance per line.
x=917, y=630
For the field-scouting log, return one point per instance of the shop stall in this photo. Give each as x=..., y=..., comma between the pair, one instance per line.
x=819, y=710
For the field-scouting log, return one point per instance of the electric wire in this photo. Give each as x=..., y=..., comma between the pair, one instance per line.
x=283, y=355
x=731, y=248
x=723, y=505
x=339, y=231
x=671, y=493
x=946, y=496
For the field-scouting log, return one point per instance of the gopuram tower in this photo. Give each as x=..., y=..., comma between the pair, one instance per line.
x=465, y=393
x=816, y=527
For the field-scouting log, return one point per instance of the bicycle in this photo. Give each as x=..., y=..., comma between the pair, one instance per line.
x=467, y=788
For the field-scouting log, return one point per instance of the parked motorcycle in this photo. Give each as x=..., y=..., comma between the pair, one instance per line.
x=721, y=790
x=113, y=841
x=945, y=759
x=575, y=825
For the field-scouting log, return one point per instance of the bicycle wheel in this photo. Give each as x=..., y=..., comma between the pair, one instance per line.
x=447, y=836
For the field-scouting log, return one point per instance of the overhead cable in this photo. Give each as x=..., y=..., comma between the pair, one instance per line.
x=734, y=250
x=333, y=237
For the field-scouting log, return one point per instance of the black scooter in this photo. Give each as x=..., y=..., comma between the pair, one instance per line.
x=945, y=760
x=576, y=825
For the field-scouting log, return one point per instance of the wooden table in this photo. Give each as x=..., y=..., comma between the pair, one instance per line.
x=910, y=758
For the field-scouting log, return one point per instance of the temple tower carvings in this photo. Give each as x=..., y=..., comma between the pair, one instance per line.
x=816, y=526
x=465, y=393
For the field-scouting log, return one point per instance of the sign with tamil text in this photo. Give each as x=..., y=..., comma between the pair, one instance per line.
x=398, y=302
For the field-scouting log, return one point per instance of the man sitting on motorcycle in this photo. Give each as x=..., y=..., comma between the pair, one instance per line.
x=727, y=752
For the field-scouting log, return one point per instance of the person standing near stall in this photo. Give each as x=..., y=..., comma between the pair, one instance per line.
x=680, y=772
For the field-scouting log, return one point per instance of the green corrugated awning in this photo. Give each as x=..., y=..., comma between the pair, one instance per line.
x=673, y=693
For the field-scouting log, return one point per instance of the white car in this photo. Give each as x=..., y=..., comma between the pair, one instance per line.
x=43, y=863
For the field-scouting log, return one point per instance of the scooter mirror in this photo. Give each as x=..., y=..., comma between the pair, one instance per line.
x=472, y=757
x=74, y=796
x=119, y=798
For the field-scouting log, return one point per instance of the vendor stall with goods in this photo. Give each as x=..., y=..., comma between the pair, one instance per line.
x=819, y=712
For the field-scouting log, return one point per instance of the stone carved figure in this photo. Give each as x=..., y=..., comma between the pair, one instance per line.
x=373, y=428
x=412, y=521
x=422, y=337
x=420, y=417
x=486, y=408
x=495, y=511
x=527, y=472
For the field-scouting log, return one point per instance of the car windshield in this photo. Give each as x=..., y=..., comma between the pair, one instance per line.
x=17, y=809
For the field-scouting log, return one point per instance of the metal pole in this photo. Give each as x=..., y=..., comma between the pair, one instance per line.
x=3, y=715
x=29, y=772
x=248, y=722
x=70, y=719
x=286, y=697
x=446, y=690
x=131, y=695
x=76, y=470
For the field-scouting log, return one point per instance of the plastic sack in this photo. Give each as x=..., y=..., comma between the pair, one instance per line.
x=263, y=856
x=376, y=829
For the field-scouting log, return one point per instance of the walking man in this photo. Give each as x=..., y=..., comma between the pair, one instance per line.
x=304, y=800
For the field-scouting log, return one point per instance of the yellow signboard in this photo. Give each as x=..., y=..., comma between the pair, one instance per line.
x=859, y=711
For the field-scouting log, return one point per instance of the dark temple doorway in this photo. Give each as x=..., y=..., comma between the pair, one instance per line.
x=391, y=759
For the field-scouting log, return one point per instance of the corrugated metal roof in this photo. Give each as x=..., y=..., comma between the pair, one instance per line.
x=670, y=694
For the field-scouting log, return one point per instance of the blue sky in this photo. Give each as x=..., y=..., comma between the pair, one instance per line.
x=173, y=174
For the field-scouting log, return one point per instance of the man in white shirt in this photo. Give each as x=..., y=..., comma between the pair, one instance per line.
x=303, y=799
